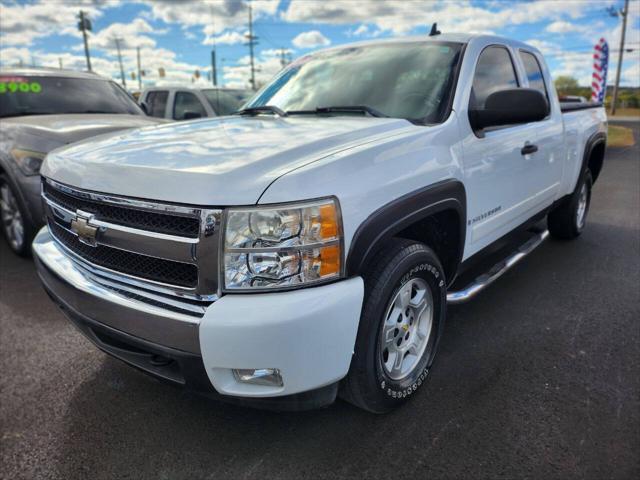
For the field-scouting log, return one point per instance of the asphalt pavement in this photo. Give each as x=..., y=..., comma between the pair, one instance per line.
x=539, y=377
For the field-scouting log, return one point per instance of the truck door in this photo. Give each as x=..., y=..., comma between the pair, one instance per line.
x=546, y=177
x=499, y=162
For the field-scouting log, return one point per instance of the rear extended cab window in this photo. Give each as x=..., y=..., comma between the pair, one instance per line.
x=534, y=72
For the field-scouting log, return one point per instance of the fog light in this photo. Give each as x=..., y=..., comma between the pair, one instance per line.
x=269, y=377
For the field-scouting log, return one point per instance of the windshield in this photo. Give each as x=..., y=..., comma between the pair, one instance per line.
x=226, y=102
x=411, y=80
x=36, y=95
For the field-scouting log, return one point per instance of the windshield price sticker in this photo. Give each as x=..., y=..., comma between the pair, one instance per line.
x=19, y=85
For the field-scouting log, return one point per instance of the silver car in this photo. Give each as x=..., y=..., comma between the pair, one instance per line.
x=40, y=110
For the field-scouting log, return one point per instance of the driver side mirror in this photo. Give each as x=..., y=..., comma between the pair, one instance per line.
x=510, y=107
x=144, y=108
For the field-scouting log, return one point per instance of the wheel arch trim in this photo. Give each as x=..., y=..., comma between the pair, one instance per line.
x=399, y=214
x=592, y=142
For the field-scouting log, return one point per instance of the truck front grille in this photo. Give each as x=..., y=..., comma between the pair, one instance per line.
x=164, y=245
x=143, y=266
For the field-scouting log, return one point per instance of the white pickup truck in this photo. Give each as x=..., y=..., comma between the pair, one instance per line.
x=309, y=245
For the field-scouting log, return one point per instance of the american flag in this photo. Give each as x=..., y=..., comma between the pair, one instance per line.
x=600, y=67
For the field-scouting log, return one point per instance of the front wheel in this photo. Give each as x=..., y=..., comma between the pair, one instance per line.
x=402, y=319
x=16, y=227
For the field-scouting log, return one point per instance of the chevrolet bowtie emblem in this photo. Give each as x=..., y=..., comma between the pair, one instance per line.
x=81, y=227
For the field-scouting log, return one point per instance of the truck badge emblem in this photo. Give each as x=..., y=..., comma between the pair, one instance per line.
x=81, y=227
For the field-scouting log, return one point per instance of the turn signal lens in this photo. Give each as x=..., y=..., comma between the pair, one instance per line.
x=329, y=260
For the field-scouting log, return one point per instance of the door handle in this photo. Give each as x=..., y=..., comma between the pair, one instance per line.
x=529, y=148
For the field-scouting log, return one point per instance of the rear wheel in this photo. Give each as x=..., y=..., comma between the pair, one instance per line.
x=16, y=227
x=568, y=219
x=402, y=319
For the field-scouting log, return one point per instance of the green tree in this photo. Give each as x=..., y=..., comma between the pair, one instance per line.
x=566, y=85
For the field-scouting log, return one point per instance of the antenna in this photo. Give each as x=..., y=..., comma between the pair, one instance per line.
x=434, y=30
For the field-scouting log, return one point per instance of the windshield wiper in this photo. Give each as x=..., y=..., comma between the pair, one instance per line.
x=262, y=109
x=342, y=109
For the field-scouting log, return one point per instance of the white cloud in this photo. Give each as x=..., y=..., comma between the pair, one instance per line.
x=130, y=36
x=229, y=37
x=213, y=16
x=561, y=26
x=400, y=17
x=361, y=30
x=311, y=39
x=276, y=52
x=267, y=64
x=21, y=24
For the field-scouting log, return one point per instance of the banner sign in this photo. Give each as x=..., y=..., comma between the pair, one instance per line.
x=600, y=67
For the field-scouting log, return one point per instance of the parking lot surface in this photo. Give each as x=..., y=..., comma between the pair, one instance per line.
x=536, y=378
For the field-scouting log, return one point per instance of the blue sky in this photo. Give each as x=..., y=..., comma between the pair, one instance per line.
x=178, y=35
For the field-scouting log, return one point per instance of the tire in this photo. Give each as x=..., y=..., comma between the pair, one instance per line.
x=15, y=223
x=374, y=382
x=567, y=220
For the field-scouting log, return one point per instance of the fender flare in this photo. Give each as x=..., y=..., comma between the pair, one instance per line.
x=592, y=142
x=401, y=213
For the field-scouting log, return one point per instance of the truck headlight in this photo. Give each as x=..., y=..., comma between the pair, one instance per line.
x=282, y=246
x=29, y=162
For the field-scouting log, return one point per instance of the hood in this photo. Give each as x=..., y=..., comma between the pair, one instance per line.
x=65, y=129
x=225, y=161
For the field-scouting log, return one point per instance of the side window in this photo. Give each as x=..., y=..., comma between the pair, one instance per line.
x=187, y=104
x=534, y=72
x=157, y=103
x=494, y=72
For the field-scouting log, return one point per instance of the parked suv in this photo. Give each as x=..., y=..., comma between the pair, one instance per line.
x=187, y=103
x=42, y=109
x=309, y=245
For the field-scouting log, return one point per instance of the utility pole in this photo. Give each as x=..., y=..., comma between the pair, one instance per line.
x=139, y=70
x=624, y=14
x=285, y=57
x=84, y=25
x=214, y=72
x=60, y=62
x=124, y=82
x=253, y=41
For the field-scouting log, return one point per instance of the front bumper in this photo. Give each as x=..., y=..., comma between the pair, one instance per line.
x=308, y=334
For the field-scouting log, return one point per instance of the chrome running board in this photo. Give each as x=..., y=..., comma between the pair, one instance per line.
x=499, y=269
